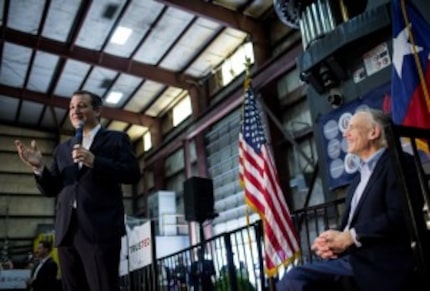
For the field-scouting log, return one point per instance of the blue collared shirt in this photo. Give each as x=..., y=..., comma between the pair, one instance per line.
x=366, y=170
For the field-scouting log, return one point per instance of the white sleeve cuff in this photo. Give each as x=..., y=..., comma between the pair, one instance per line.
x=38, y=171
x=354, y=237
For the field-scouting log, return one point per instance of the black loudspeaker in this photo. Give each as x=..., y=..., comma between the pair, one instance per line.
x=198, y=199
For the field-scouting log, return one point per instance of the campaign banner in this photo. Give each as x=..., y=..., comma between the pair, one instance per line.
x=139, y=246
x=342, y=166
x=14, y=279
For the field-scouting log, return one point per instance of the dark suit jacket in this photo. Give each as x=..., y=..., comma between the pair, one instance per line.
x=385, y=260
x=97, y=190
x=46, y=278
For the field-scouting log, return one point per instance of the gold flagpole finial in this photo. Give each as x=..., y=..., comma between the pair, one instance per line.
x=247, y=82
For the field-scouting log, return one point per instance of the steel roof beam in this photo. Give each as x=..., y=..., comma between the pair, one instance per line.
x=61, y=102
x=95, y=58
x=217, y=13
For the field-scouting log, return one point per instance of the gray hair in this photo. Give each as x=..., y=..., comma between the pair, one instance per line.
x=380, y=119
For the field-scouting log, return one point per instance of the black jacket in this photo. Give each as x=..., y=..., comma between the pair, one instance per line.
x=97, y=190
x=385, y=259
x=46, y=278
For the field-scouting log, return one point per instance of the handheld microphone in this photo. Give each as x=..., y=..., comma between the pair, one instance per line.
x=79, y=134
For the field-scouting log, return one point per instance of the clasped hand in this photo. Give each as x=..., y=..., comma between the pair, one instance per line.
x=331, y=243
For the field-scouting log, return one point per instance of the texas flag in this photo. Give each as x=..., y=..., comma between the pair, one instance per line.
x=410, y=88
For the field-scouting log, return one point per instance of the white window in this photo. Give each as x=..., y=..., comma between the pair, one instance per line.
x=147, y=142
x=121, y=35
x=235, y=64
x=182, y=110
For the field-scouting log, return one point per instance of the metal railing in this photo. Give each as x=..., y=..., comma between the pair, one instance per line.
x=232, y=260
x=414, y=141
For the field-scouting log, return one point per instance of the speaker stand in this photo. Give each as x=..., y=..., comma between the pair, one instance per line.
x=201, y=232
x=201, y=255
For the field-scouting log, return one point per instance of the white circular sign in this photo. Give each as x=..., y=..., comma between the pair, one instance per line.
x=352, y=163
x=344, y=121
x=333, y=148
x=330, y=129
x=336, y=168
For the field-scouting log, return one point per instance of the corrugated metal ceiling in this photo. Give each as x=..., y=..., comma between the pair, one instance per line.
x=49, y=49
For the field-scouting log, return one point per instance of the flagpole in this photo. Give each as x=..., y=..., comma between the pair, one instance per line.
x=263, y=193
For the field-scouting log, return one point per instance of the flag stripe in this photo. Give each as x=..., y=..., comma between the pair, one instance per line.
x=259, y=178
x=281, y=213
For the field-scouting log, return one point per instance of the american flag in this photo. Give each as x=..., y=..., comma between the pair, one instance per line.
x=259, y=179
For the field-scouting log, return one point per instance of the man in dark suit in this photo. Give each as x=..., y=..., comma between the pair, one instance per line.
x=44, y=273
x=372, y=245
x=86, y=176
